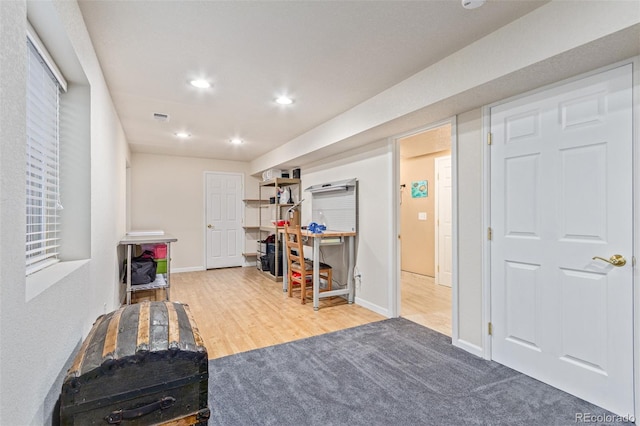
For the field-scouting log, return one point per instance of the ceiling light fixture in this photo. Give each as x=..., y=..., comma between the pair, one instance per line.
x=182, y=135
x=200, y=83
x=236, y=141
x=472, y=4
x=284, y=100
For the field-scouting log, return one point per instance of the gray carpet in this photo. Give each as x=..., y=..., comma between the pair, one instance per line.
x=392, y=372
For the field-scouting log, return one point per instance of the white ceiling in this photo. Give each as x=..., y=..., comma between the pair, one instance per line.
x=328, y=55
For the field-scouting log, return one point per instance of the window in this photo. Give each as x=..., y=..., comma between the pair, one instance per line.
x=43, y=204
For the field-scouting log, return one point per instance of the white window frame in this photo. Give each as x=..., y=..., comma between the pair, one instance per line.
x=43, y=204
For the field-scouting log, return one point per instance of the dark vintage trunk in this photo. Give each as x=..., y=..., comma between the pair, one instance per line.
x=142, y=364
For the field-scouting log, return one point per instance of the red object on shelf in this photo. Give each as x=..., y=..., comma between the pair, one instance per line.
x=160, y=251
x=279, y=222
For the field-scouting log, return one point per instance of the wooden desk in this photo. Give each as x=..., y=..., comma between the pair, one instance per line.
x=317, y=242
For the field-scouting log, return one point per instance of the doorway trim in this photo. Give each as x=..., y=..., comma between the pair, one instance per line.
x=486, y=208
x=395, y=287
x=204, y=209
x=438, y=194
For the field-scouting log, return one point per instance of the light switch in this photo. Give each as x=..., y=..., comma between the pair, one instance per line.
x=422, y=215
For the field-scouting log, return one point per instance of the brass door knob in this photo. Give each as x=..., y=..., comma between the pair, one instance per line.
x=615, y=260
x=210, y=226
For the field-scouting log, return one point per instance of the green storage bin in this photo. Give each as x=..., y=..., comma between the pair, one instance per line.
x=162, y=266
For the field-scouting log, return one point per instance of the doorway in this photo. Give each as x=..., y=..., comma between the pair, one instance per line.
x=425, y=228
x=561, y=205
x=223, y=216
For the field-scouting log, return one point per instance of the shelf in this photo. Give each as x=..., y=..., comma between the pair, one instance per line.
x=280, y=182
x=250, y=254
x=269, y=214
x=265, y=204
x=251, y=200
x=160, y=282
x=251, y=227
x=273, y=229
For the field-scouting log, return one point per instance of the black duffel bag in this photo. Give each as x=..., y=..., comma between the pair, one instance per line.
x=143, y=268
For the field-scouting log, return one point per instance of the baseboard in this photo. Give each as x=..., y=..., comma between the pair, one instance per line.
x=469, y=347
x=187, y=269
x=372, y=307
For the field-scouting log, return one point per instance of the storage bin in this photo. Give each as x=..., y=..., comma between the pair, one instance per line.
x=160, y=251
x=271, y=247
x=271, y=259
x=162, y=266
x=264, y=263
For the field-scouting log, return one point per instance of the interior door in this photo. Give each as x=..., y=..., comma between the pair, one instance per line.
x=224, y=220
x=444, y=247
x=561, y=193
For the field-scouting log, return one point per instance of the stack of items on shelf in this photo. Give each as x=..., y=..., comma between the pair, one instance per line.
x=267, y=261
x=149, y=267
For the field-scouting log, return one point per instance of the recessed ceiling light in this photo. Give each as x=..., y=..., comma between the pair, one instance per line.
x=182, y=135
x=236, y=141
x=284, y=100
x=200, y=83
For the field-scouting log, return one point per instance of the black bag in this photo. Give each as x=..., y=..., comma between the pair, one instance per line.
x=143, y=268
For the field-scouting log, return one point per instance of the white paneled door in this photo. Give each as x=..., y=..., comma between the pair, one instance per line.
x=444, y=248
x=223, y=220
x=561, y=194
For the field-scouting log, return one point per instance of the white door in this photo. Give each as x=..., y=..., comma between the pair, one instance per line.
x=561, y=175
x=224, y=220
x=444, y=248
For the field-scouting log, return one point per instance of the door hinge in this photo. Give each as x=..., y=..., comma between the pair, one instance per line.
x=489, y=138
x=490, y=329
x=438, y=268
x=489, y=234
x=633, y=261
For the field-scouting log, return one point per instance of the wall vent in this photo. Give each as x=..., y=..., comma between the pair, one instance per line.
x=158, y=116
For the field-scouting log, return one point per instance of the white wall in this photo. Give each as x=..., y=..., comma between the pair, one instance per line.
x=372, y=168
x=555, y=41
x=470, y=231
x=40, y=329
x=168, y=194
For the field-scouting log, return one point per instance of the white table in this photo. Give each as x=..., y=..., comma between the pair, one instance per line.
x=131, y=241
x=317, y=242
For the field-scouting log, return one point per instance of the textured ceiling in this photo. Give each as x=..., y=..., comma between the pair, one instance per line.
x=329, y=56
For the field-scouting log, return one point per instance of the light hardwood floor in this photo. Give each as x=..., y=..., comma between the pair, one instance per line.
x=238, y=309
x=425, y=302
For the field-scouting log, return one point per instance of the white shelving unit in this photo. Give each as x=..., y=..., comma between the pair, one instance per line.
x=251, y=226
x=273, y=211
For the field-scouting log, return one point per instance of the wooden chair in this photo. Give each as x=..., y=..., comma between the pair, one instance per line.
x=300, y=270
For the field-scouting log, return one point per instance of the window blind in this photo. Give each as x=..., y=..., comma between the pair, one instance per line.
x=43, y=175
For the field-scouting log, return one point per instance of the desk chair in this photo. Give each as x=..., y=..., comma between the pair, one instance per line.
x=300, y=271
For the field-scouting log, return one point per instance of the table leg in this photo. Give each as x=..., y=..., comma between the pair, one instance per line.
x=285, y=264
x=129, y=274
x=166, y=289
x=316, y=273
x=350, y=282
